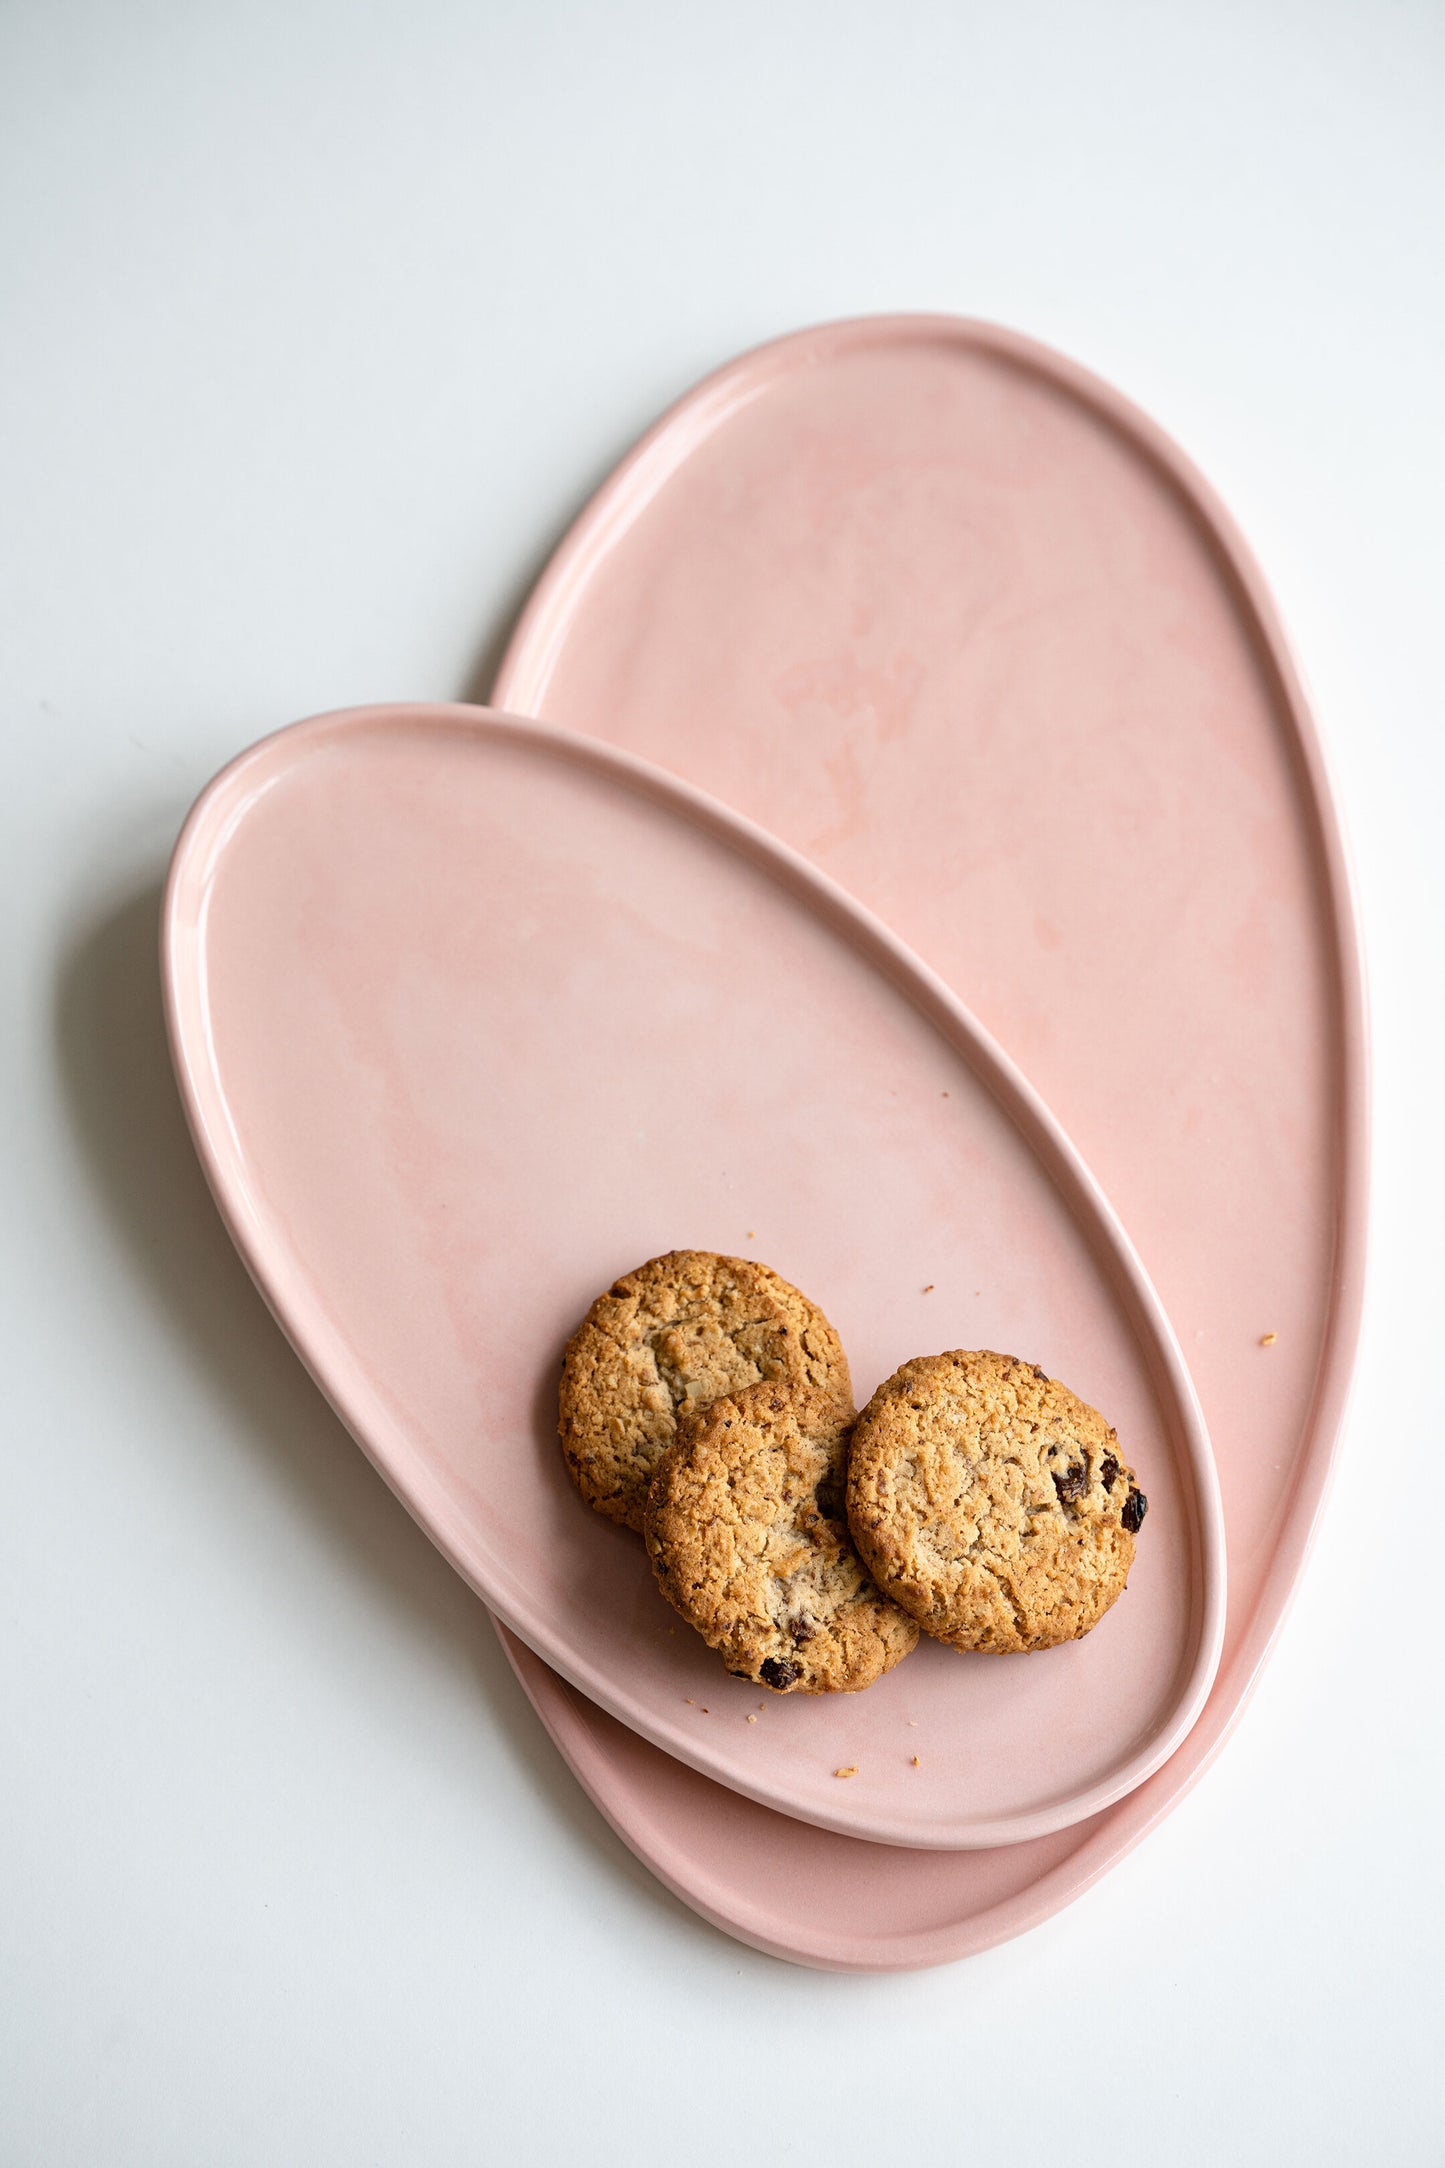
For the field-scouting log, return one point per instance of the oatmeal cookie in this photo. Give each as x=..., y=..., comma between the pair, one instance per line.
x=662, y=1343
x=748, y=1539
x=990, y=1503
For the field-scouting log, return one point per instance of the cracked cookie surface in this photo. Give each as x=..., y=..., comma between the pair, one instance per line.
x=748, y=1538
x=665, y=1341
x=991, y=1502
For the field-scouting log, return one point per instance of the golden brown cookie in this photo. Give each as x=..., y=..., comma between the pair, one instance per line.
x=747, y=1537
x=991, y=1503
x=663, y=1342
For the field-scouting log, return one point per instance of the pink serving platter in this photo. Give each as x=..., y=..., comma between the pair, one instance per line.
x=963, y=627
x=471, y=1014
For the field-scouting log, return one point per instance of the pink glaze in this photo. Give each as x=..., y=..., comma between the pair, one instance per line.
x=956, y=621
x=471, y=1015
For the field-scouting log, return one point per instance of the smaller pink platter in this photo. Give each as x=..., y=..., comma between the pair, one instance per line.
x=470, y=1015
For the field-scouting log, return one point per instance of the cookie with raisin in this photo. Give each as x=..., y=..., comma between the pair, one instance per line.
x=748, y=1537
x=991, y=1503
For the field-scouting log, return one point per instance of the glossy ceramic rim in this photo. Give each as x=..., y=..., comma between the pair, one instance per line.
x=205, y=834
x=679, y=1869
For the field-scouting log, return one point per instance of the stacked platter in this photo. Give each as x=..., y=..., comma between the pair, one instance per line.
x=899, y=849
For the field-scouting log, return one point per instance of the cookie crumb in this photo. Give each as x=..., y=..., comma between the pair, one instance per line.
x=945, y=1095
x=929, y=1289
x=916, y=1763
x=752, y=1236
x=1268, y=1339
x=752, y=1719
x=690, y=1702
x=913, y=1723
x=850, y=1771
x=706, y=1712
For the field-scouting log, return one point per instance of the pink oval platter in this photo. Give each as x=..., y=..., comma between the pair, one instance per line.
x=470, y=1015
x=966, y=629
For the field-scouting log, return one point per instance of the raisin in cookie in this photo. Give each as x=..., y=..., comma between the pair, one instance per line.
x=992, y=1504
x=747, y=1537
x=662, y=1343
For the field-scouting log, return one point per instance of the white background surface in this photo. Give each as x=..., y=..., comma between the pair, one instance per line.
x=319, y=323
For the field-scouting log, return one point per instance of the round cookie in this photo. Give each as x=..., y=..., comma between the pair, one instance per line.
x=747, y=1537
x=663, y=1342
x=991, y=1503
